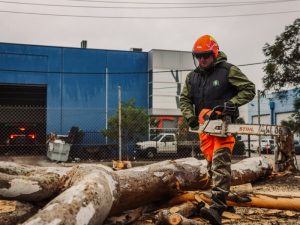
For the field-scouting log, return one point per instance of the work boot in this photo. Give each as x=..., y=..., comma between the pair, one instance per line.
x=230, y=209
x=212, y=215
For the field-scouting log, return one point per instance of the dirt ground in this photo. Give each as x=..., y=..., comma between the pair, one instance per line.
x=287, y=184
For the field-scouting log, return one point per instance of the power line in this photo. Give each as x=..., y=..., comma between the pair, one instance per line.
x=148, y=18
x=97, y=73
x=171, y=3
x=147, y=7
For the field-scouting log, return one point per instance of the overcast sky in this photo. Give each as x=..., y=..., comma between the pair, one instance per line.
x=168, y=24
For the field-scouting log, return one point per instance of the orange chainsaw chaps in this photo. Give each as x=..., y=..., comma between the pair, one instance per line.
x=210, y=143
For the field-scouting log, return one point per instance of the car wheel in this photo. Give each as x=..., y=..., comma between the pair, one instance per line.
x=151, y=153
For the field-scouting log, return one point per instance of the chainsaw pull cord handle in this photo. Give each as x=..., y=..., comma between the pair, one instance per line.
x=213, y=112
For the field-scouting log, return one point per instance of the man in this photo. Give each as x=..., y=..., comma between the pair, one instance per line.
x=213, y=83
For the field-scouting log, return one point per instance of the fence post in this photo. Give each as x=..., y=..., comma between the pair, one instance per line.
x=120, y=123
x=249, y=146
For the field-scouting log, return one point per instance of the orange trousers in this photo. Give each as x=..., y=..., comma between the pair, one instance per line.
x=210, y=143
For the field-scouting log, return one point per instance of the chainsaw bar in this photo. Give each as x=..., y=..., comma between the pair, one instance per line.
x=222, y=129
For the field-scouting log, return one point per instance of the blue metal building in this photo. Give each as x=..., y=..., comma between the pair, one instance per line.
x=273, y=108
x=80, y=85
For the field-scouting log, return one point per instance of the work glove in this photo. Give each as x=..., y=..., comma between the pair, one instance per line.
x=229, y=109
x=229, y=112
x=193, y=122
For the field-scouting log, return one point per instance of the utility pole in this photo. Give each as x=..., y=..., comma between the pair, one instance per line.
x=258, y=120
x=106, y=101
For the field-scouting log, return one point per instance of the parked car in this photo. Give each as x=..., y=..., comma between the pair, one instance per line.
x=21, y=137
x=267, y=146
x=297, y=147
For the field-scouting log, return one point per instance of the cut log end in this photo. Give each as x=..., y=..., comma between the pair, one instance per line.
x=174, y=219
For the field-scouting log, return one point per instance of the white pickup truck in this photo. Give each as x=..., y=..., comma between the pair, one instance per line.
x=167, y=144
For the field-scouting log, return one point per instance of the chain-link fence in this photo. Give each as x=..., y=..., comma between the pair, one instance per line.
x=71, y=134
x=22, y=130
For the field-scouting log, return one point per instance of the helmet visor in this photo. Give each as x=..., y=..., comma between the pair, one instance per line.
x=204, y=55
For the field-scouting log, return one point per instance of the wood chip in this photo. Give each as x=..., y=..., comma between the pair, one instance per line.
x=290, y=213
x=198, y=198
x=230, y=215
x=251, y=212
x=243, y=188
x=273, y=211
x=174, y=209
x=226, y=221
x=119, y=165
x=7, y=206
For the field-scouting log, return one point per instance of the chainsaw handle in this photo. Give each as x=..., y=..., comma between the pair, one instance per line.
x=218, y=108
x=227, y=117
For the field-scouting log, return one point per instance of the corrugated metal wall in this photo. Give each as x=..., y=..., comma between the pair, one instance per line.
x=76, y=81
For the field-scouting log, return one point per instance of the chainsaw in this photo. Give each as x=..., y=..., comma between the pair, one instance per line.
x=222, y=127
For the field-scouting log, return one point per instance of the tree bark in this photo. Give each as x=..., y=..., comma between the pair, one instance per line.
x=89, y=193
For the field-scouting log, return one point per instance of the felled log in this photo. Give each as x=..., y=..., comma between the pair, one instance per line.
x=92, y=192
x=249, y=170
x=161, y=180
x=28, y=183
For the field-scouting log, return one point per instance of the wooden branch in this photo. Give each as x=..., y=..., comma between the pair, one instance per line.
x=170, y=215
x=246, y=200
x=270, y=202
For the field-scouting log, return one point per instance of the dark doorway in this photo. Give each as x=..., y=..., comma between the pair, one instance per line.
x=23, y=118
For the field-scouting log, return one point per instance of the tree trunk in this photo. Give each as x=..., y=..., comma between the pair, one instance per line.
x=92, y=192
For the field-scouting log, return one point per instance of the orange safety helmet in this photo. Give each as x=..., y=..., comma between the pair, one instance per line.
x=206, y=44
